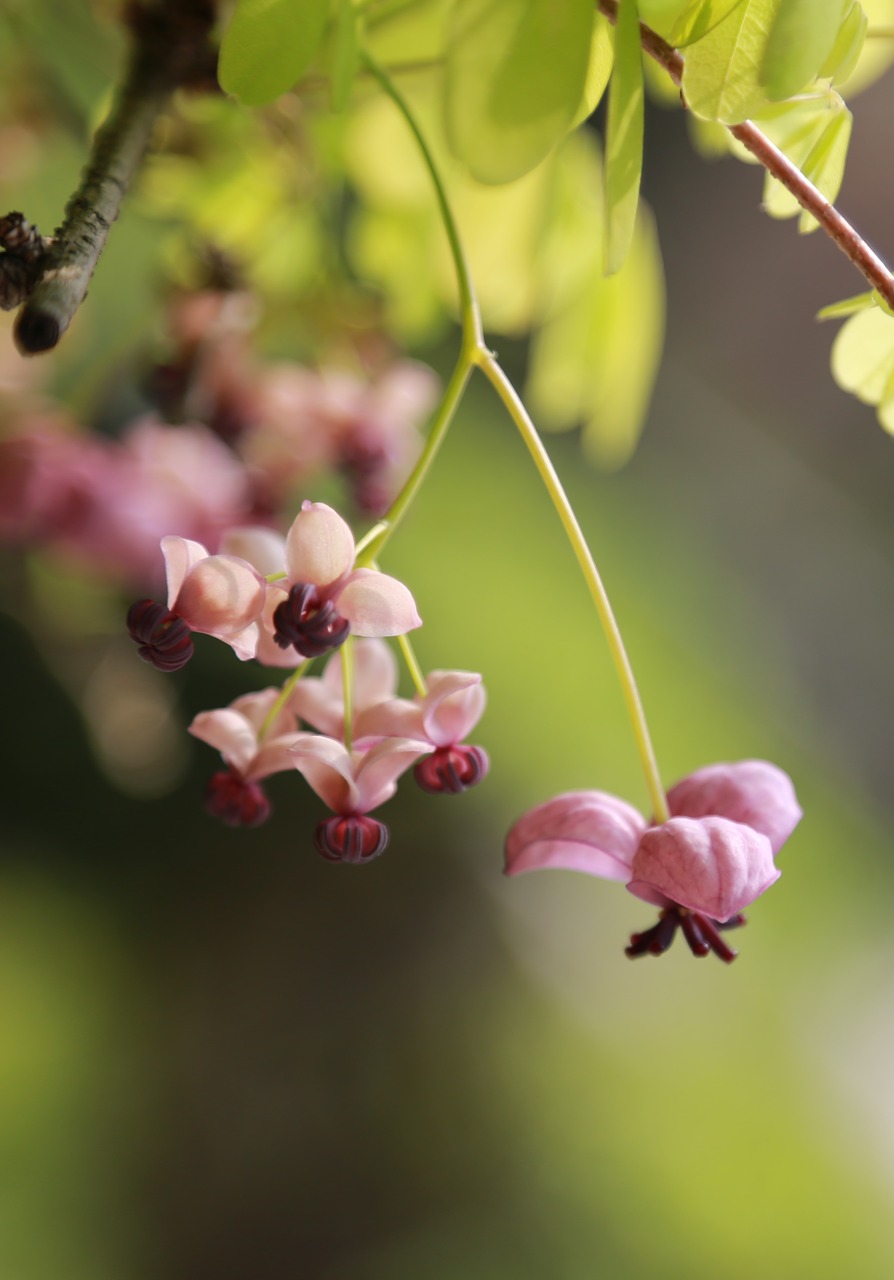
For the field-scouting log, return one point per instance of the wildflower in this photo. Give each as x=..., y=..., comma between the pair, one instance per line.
x=251, y=749
x=711, y=858
x=351, y=783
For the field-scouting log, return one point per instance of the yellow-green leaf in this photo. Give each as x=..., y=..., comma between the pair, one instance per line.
x=721, y=79
x=697, y=19
x=801, y=38
x=515, y=78
x=847, y=47
x=268, y=45
x=624, y=138
x=825, y=164
x=599, y=68
x=863, y=355
x=344, y=55
x=846, y=307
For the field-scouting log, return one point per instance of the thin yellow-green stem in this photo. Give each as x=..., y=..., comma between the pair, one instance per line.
x=284, y=694
x=413, y=666
x=512, y=401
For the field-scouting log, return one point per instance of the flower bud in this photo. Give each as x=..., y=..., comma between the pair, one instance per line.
x=164, y=639
x=450, y=770
x=356, y=838
x=235, y=801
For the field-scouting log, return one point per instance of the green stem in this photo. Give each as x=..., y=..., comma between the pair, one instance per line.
x=474, y=353
x=413, y=666
x=284, y=695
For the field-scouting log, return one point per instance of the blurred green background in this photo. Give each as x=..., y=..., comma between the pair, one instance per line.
x=221, y=1057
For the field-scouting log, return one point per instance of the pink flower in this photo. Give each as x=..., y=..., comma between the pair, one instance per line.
x=451, y=708
x=352, y=783
x=250, y=751
x=711, y=858
x=323, y=597
x=319, y=700
x=221, y=596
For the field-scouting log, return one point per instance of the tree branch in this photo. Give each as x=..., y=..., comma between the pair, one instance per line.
x=851, y=244
x=170, y=49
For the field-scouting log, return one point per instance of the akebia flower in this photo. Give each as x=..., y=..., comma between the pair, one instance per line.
x=701, y=867
x=220, y=595
x=252, y=749
x=442, y=718
x=351, y=783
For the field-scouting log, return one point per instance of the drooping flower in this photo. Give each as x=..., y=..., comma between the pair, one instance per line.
x=322, y=597
x=251, y=749
x=351, y=783
x=219, y=595
x=701, y=867
x=442, y=718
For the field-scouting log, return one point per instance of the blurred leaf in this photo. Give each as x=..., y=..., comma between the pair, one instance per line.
x=344, y=56
x=825, y=164
x=624, y=138
x=863, y=361
x=864, y=61
x=846, y=307
x=848, y=45
x=813, y=132
x=268, y=45
x=515, y=77
x=803, y=34
x=721, y=77
x=599, y=68
x=698, y=18
x=595, y=358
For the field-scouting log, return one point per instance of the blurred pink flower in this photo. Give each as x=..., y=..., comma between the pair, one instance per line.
x=711, y=858
x=319, y=700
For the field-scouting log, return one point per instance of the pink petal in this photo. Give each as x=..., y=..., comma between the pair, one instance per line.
x=244, y=643
x=319, y=546
x=255, y=707
x=452, y=707
x=319, y=700
x=180, y=555
x=588, y=831
x=329, y=769
x=393, y=718
x=275, y=756
x=752, y=791
x=268, y=652
x=221, y=596
x=376, y=605
x=264, y=549
x=380, y=767
x=375, y=673
x=711, y=865
x=230, y=734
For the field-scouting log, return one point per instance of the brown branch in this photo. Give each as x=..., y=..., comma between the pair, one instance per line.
x=849, y=241
x=170, y=48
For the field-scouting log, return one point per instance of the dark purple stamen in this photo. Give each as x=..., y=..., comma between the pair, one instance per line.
x=450, y=770
x=356, y=838
x=164, y=639
x=235, y=801
x=312, y=628
x=701, y=933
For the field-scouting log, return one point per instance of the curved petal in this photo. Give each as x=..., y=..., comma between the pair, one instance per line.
x=392, y=718
x=180, y=555
x=319, y=546
x=316, y=701
x=264, y=549
x=275, y=756
x=269, y=653
x=711, y=865
x=221, y=596
x=328, y=767
x=244, y=643
x=257, y=706
x=229, y=733
x=587, y=831
x=376, y=604
x=452, y=707
x=381, y=766
x=754, y=792
x=375, y=673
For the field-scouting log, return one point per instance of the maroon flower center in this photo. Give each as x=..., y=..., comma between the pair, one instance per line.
x=701, y=933
x=235, y=801
x=303, y=622
x=164, y=639
x=450, y=770
x=356, y=838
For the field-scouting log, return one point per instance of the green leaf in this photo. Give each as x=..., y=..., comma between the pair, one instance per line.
x=344, y=57
x=863, y=356
x=721, y=79
x=846, y=307
x=847, y=47
x=825, y=164
x=624, y=138
x=803, y=35
x=599, y=68
x=515, y=78
x=268, y=45
x=697, y=19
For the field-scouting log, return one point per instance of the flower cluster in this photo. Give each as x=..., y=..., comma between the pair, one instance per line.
x=284, y=602
x=712, y=857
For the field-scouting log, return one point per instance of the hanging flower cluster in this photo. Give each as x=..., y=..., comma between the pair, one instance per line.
x=284, y=602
